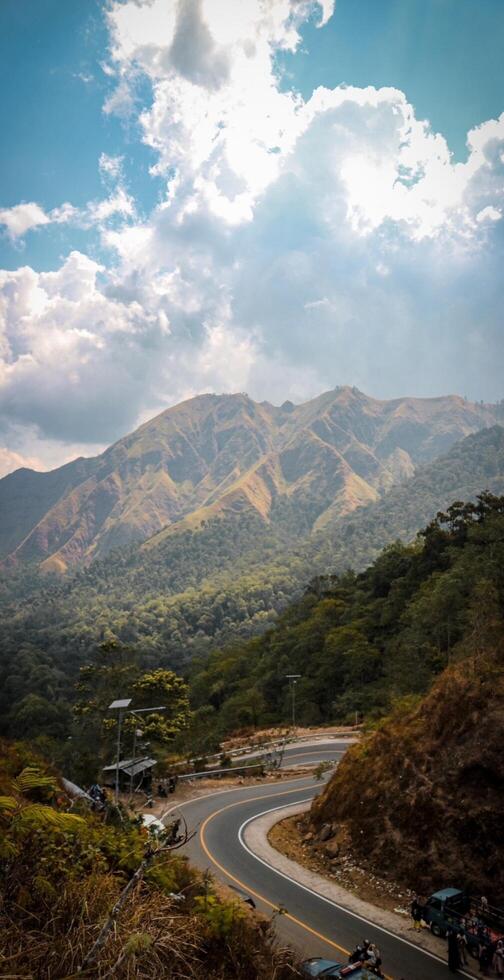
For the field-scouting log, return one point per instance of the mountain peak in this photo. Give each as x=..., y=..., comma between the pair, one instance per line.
x=213, y=454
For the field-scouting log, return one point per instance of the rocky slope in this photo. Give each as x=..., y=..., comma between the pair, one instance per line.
x=422, y=799
x=214, y=456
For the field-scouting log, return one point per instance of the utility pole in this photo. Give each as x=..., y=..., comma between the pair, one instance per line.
x=138, y=733
x=293, y=679
x=121, y=705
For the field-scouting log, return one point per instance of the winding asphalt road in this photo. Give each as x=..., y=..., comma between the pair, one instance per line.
x=312, y=924
x=309, y=754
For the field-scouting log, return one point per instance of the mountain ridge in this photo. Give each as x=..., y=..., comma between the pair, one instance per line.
x=214, y=587
x=214, y=454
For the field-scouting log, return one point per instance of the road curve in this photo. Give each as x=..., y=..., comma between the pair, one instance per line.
x=313, y=924
x=313, y=753
x=297, y=755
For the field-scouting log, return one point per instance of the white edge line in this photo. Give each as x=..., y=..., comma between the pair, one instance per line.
x=323, y=898
x=234, y=789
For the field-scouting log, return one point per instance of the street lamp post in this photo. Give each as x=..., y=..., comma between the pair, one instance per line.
x=121, y=706
x=293, y=679
x=138, y=733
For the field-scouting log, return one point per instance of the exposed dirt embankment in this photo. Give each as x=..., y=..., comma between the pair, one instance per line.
x=422, y=799
x=335, y=860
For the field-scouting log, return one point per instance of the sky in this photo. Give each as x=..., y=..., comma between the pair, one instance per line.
x=271, y=196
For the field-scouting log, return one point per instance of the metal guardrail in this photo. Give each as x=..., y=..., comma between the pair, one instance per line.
x=220, y=772
x=259, y=747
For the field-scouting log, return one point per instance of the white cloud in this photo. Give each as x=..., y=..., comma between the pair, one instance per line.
x=219, y=119
x=317, y=304
x=120, y=202
x=488, y=214
x=299, y=244
x=85, y=77
x=82, y=361
x=327, y=10
x=23, y=217
x=392, y=167
x=110, y=166
x=217, y=114
x=10, y=461
x=20, y=218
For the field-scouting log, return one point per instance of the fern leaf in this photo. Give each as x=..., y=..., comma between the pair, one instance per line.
x=7, y=804
x=32, y=778
x=8, y=850
x=38, y=816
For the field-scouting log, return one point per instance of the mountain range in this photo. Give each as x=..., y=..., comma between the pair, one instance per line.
x=297, y=469
x=262, y=503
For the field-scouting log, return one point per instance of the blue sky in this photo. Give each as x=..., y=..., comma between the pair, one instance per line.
x=52, y=121
x=446, y=55
x=159, y=158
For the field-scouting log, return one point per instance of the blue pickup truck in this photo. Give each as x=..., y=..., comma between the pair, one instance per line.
x=451, y=908
x=445, y=909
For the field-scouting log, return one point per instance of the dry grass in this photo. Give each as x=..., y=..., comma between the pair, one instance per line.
x=154, y=938
x=99, y=891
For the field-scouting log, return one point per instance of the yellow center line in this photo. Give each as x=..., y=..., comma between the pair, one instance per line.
x=247, y=888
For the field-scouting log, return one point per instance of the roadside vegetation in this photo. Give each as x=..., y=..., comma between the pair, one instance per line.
x=63, y=869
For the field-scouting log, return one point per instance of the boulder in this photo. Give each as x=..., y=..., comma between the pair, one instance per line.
x=324, y=833
x=332, y=849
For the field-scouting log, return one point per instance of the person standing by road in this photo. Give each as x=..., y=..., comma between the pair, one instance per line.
x=499, y=958
x=462, y=948
x=485, y=958
x=453, y=951
x=416, y=913
x=373, y=960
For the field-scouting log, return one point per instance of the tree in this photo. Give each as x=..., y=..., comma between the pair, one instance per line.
x=116, y=673
x=34, y=715
x=162, y=687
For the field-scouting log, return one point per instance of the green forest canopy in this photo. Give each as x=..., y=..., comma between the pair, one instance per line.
x=213, y=588
x=360, y=642
x=363, y=641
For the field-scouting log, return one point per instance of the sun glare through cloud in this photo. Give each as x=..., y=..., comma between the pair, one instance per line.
x=296, y=241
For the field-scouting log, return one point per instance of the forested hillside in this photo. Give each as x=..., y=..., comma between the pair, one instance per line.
x=363, y=642
x=190, y=594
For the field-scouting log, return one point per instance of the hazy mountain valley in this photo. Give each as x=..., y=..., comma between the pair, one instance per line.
x=282, y=495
